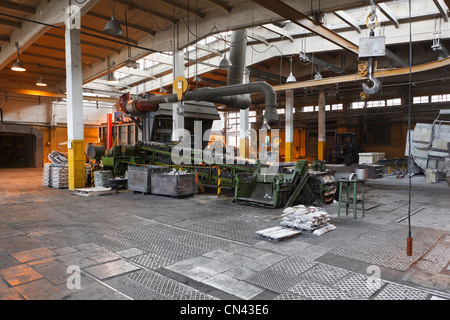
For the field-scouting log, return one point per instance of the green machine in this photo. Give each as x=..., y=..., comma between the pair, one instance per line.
x=294, y=183
x=119, y=157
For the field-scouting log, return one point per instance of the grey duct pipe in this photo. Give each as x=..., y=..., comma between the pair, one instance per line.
x=227, y=95
x=238, y=48
x=235, y=94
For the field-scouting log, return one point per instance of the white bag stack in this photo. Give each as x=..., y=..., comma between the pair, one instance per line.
x=312, y=219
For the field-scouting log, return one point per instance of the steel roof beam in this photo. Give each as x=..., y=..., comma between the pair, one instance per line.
x=443, y=8
x=280, y=31
x=389, y=14
x=225, y=8
x=17, y=7
x=303, y=21
x=130, y=25
x=348, y=19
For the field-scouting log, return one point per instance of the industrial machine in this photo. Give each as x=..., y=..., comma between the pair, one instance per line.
x=346, y=149
x=158, y=117
x=294, y=183
x=430, y=144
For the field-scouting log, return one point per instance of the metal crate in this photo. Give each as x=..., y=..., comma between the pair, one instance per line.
x=139, y=177
x=174, y=185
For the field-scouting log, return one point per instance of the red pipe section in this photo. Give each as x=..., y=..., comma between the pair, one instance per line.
x=109, y=132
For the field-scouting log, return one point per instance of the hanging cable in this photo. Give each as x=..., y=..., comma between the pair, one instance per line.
x=409, y=239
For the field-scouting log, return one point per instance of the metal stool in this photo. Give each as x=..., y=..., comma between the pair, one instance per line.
x=349, y=184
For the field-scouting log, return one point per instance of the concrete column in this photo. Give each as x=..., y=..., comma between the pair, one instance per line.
x=178, y=70
x=75, y=125
x=321, y=125
x=289, y=133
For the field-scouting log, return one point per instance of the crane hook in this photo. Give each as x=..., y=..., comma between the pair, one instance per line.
x=376, y=84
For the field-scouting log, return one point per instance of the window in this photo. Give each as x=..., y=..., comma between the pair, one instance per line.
x=393, y=102
x=423, y=99
x=233, y=121
x=376, y=104
x=358, y=105
x=281, y=111
x=338, y=106
x=440, y=98
x=252, y=116
x=308, y=109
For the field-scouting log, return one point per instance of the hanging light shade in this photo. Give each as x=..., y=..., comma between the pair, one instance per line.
x=113, y=27
x=224, y=63
x=18, y=66
x=41, y=82
x=291, y=77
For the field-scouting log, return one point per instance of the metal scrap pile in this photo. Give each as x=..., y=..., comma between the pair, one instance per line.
x=58, y=158
x=55, y=176
x=312, y=219
x=56, y=173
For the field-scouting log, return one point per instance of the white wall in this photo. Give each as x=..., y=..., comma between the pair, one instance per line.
x=50, y=111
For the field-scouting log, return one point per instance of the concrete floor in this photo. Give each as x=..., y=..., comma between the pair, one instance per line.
x=147, y=247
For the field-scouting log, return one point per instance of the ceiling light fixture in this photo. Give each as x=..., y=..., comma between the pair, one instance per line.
x=18, y=66
x=291, y=77
x=113, y=27
x=41, y=82
x=225, y=63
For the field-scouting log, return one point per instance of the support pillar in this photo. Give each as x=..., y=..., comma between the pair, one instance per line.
x=109, y=131
x=289, y=134
x=75, y=125
x=321, y=125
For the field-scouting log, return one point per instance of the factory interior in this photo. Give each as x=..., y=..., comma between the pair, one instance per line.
x=224, y=152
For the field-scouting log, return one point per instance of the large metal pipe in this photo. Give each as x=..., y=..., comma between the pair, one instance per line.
x=222, y=95
x=234, y=95
x=238, y=48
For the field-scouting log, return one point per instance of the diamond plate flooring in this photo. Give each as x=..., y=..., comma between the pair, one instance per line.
x=130, y=246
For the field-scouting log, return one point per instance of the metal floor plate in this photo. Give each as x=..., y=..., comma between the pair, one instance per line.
x=290, y=296
x=358, y=285
x=293, y=266
x=167, y=287
x=316, y=291
x=111, y=269
x=151, y=261
x=273, y=280
x=393, y=291
x=324, y=274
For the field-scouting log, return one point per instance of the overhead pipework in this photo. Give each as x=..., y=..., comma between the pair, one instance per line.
x=235, y=95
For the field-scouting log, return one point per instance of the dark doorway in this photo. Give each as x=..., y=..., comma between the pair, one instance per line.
x=20, y=146
x=16, y=151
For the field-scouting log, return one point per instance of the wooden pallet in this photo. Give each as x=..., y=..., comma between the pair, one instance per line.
x=93, y=192
x=278, y=233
